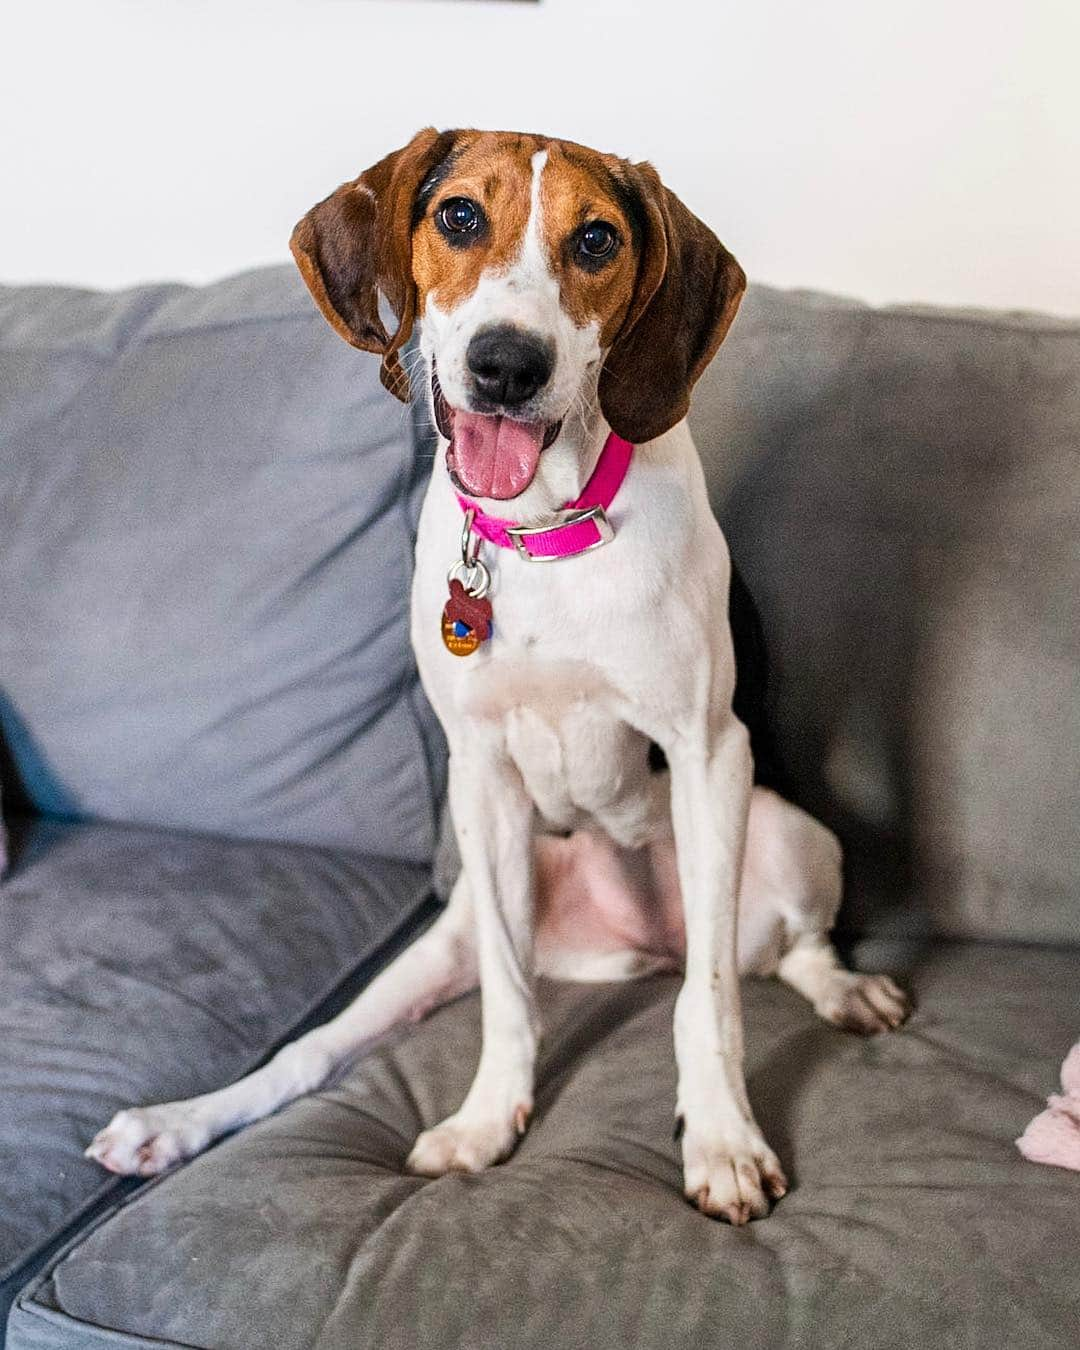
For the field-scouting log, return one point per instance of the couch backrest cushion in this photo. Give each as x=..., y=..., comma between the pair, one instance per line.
x=901, y=489
x=206, y=510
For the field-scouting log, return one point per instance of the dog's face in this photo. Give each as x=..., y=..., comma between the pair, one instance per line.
x=525, y=265
x=553, y=283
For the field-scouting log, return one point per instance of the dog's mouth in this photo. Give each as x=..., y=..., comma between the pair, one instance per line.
x=490, y=454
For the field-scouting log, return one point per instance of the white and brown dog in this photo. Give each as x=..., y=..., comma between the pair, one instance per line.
x=601, y=783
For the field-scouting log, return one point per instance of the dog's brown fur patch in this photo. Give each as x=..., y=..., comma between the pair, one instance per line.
x=577, y=187
x=494, y=169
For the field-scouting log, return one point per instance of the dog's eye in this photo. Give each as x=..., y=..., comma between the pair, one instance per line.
x=459, y=216
x=597, y=240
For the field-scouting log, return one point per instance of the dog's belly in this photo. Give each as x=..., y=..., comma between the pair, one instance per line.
x=605, y=912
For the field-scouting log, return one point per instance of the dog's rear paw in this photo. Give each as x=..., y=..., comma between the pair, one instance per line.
x=143, y=1141
x=866, y=1004
x=736, y=1183
x=463, y=1145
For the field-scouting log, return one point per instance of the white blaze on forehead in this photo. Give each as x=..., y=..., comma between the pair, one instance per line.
x=530, y=271
x=532, y=248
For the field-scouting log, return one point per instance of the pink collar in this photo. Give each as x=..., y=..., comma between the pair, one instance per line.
x=584, y=525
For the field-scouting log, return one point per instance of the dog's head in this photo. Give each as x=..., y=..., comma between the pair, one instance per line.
x=551, y=280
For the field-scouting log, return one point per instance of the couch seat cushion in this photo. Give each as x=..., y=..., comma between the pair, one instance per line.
x=913, y=1221
x=140, y=965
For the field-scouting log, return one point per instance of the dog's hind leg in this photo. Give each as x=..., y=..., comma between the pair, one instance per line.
x=438, y=966
x=850, y=999
x=791, y=891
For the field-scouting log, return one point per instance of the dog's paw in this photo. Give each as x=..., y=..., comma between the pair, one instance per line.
x=143, y=1141
x=736, y=1182
x=866, y=1004
x=462, y=1144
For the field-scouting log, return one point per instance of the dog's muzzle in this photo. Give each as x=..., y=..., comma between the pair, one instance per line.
x=491, y=454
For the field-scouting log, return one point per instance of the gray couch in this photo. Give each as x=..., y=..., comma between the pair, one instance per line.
x=223, y=785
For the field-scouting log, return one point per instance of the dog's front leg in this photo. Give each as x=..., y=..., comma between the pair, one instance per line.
x=493, y=819
x=728, y=1169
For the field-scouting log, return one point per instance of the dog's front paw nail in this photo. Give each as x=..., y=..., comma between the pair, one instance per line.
x=732, y=1183
x=464, y=1145
x=143, y=1141
x=867, y=1004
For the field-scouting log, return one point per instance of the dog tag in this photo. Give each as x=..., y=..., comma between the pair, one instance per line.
x=466, y=620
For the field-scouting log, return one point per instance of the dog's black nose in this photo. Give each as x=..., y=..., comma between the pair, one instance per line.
x=508, y=366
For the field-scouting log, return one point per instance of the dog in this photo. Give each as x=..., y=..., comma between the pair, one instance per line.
x=601, y=781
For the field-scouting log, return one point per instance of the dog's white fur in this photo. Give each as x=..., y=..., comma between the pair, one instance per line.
x=549, y=724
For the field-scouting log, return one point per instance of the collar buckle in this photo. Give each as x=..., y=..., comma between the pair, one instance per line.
x=595, y=515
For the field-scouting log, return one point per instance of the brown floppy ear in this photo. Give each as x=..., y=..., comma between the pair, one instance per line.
x=358, y=243
x=687, y=293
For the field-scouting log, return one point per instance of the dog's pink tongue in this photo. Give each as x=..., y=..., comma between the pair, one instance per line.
x=495, y=456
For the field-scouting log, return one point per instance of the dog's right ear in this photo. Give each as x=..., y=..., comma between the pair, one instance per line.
x=357, y=244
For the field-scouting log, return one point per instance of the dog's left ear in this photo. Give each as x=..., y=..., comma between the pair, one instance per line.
x=687, y=293
x=357, y=244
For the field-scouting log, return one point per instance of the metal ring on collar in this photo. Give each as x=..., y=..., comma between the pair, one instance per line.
x=474, y=577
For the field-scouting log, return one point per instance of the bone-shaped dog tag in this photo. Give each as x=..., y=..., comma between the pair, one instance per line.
x=466, y=620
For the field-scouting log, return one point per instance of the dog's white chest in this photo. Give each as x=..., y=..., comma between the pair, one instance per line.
x=590, y=653
x=579, y=760
x=557, y=716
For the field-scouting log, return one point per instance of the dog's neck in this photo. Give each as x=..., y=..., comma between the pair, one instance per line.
x=564, y=469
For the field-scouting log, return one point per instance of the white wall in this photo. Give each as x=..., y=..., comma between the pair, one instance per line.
x=921, y=150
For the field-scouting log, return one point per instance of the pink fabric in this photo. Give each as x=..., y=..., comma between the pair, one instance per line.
x=563, y=541
x=1054, y=1136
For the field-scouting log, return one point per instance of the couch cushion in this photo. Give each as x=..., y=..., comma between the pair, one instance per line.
x=900, y=489
x=913, y=1220
x=206, y=512
x=139, y=966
